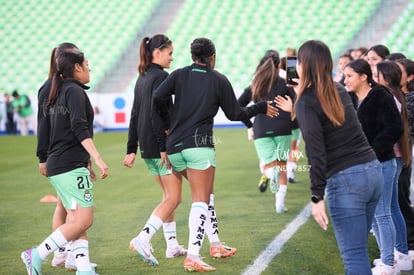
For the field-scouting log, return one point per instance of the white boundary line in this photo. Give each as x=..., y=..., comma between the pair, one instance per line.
x=274, y=248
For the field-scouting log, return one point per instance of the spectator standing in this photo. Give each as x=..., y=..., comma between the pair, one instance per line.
x=338, y=153
x=22, y=106
x=11, y=125
x=382, y=125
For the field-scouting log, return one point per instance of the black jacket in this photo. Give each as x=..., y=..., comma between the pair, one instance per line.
x=199, y=92
x=71, y=121
x=43, y=129
x=150, y=136
x=380, y=120
x=264, y=126
x=330, y=148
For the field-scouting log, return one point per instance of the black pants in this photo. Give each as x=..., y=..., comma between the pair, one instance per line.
x=405, y=205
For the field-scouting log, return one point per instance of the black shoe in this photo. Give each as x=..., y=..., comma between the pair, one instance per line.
x=263, y=183
x=292, y=180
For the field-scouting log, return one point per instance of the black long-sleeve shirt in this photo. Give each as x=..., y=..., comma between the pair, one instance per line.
x=265, y=126
x=43, y=129
x=71, y=122
x=330, y=148
x=150, y=136
x=199, y=92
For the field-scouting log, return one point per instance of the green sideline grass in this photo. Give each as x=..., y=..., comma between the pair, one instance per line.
x=124, y=201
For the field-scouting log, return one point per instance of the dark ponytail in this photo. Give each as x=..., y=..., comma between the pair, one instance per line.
x=65, y=61
x=62, y=47
x=52, y=66
x=147, y=47
x=202, y=49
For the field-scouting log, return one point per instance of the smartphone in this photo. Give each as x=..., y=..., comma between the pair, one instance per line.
x=291, y=70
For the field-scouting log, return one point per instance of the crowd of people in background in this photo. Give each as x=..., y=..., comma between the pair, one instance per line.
x=357, y=123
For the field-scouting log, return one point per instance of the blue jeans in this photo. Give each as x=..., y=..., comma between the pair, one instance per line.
x=383, y=225
x=352, y=196
x=397, y=216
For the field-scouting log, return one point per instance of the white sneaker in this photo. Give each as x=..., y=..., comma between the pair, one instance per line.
x=411, y=254
x=59, y=258
x=383, y=269
x=175, y=252
x=404, y=261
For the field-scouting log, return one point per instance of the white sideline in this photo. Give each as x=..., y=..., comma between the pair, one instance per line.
x=263, y=260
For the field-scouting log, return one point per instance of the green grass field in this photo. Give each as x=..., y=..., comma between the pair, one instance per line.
x=124, y=201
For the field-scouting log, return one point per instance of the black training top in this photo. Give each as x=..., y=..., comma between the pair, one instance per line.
x=265, y=126
x=42, y=122
x=141, y=129
x=71, y=121
x=199, y=92
x=330, y=148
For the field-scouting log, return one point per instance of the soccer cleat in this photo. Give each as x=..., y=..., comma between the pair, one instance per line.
x=175, y=252
x=292, y=180
x=59, y=258
x=274, y=181
x=222, y=251
x=280, y=209
x=32, y=261
x=144, y=250
x=93, y=272
x=263, y=183
x=197, y=266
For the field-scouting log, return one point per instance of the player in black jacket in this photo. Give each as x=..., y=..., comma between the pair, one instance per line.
x=70, y=118
x=61, y=256
x=199, y=91
x=272, y=136
x=155, y=55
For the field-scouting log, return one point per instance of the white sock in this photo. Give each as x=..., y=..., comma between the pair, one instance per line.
x=170, y=234
x=151, y=227
x=80, y=251
x=269, y=172
x=55, y=241
x=212, y=223
x=280, y=195
x=291, y=167
x=196, y=224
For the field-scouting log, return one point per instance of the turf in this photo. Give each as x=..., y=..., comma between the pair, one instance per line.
x=124, y=201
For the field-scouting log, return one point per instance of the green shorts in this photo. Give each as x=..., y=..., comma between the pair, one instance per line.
x=155, y=168
x=270, y=149
x=74, y=188
x=199, y=158
x=295, y=134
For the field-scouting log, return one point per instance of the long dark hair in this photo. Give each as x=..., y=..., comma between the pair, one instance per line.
x=315, y=60
x=62, y=47
x=391, y=73
x=267, y=71
x=147, y=47
x=66, y=61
